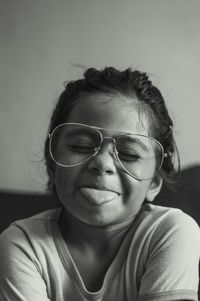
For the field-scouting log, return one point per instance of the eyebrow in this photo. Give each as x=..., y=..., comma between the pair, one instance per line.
x=132, y=139
x=127, y=135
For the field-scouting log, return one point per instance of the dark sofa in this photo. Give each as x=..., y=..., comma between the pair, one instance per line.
x=185, y=195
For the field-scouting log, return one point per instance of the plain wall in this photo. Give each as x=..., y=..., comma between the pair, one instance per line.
x=45, y=42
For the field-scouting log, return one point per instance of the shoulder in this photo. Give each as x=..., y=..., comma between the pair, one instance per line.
x=158, y=225
x=27, y=232
x=169, y=254
x=168, y=217
x=170, y=225
x=49, y=216
x=28, y=255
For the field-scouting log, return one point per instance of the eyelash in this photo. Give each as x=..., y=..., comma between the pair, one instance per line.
x=81, y=147
x=129, y=156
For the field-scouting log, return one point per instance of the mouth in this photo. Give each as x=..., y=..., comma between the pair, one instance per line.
x=98, y=196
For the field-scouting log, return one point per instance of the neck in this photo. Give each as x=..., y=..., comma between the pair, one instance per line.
x=81, y=234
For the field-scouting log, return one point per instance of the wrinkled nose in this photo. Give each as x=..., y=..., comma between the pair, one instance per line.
x=104, y=162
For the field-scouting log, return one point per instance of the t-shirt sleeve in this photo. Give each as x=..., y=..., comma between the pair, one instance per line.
x=20, y=272
x=172, y=267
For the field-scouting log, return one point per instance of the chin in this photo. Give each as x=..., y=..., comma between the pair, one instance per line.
x=99, y=221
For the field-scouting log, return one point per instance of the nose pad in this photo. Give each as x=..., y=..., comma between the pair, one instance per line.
x=102, y=161
x=114, y=153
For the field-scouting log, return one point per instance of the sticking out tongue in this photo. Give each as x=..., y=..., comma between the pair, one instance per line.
x=97, y=196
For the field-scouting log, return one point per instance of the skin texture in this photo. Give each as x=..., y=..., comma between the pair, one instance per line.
x=101, y=171
x=89, y=225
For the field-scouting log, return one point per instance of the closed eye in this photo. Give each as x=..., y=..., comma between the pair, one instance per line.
x=81, y=148
x=127, y=156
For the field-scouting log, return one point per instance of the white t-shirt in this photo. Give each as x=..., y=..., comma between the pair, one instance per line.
x=157, y=260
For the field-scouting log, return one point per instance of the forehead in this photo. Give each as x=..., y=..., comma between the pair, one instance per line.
x=117, y=113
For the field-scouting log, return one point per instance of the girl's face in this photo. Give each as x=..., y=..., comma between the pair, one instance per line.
x=98, y=192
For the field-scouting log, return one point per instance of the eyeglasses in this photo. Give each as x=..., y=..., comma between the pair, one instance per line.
x=72, y=144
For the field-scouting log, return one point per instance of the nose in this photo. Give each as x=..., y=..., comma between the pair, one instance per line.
x=103, y=163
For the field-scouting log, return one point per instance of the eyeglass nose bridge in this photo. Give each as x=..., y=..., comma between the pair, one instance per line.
x=114, y=153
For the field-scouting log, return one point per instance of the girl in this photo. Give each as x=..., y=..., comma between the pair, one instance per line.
x=109, y=149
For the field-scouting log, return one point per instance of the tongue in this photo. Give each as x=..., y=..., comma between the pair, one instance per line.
x=97, y=196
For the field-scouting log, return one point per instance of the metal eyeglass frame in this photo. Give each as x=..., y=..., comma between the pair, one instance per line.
x=97, y=149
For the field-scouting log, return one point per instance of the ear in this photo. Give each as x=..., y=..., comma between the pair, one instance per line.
x=154, y=188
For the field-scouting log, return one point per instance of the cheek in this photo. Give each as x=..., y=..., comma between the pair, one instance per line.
x=65, y=181
x=135, y=190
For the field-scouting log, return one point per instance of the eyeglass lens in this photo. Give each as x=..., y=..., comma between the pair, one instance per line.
x=74, y=144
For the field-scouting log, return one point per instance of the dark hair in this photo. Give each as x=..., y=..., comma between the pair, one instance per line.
x=130, y=83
